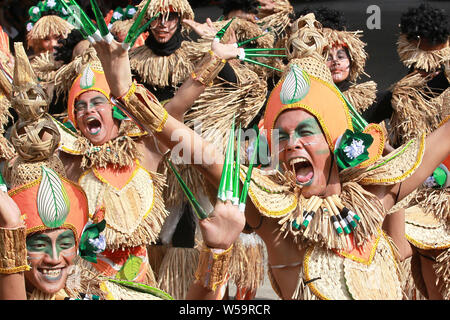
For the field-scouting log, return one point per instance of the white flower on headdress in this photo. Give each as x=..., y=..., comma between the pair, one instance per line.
x=35, y=10
x=131, y=11
x=51, y=3
x=64, y=11
x=355, y=149
x=117, y=15
x=430, y=182
x=29, y=26
x=98, y=243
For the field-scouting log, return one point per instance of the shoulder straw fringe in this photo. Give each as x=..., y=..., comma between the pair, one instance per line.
x=362, y=95
x=433, y=201
x=414, y=111
x=442, y=269
x=351, y=39
x=390, y=169
x=411, y=55
x=247, y=262
x=279, y=20
x=177, y=271
x=162, y=71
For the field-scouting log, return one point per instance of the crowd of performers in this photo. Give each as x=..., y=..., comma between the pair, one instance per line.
x=129, y=170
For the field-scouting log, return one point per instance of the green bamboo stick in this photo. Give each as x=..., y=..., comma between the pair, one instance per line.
x=237, y=169
x=250, y=40
x=87, y=23
x=358, y=119
x=263, y=49
x=221, y=32
x=229, y=181
x=101, y=24
x=243, y=198
x=266, y=55
x=77, y=20
x=221, y=193
x=199, y=211
x=142, y=29
x=133, y=29
x=261, y=64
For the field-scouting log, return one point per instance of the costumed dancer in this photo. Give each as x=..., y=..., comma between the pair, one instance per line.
x=420, y=102
x=346, y=57
x=321, y=213
x=48, y=24
x=44, y=215
x=165, y=61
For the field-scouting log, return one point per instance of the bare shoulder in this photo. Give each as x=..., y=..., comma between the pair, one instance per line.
x=72, y=165
x=150, y=151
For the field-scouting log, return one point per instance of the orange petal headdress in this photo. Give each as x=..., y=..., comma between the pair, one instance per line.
x=307, y=84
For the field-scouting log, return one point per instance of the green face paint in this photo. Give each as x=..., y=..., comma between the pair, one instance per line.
x=307, y=127
x=42, y=243
x=322, y=151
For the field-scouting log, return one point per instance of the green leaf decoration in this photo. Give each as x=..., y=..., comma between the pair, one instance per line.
x=53, y=203
x=353, y=149
x=296, y=86
x=118, y=114
x=130, y=269
x=140, y=287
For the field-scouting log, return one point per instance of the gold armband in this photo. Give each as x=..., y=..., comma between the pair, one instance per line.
x=208, y=68
x=141, y=106
x=212, y=269
x=444, y=121
x=13, y=251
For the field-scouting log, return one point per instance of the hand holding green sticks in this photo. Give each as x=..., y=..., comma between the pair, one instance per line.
x=223, y=225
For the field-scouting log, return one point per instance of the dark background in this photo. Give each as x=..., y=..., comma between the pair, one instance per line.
x=383, y=64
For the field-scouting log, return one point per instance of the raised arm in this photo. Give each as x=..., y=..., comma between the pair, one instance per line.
x=12, y=250
x=437, y=149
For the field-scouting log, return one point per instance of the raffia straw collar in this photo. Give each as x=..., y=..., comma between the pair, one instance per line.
x=120, y=152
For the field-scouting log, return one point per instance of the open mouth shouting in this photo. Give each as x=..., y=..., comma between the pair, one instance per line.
x=93, y=125
x=303, y=169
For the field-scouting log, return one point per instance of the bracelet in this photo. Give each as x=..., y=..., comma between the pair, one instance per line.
x=208, y=69
x=140, y=105
x=212, y=269
x=13, y=251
